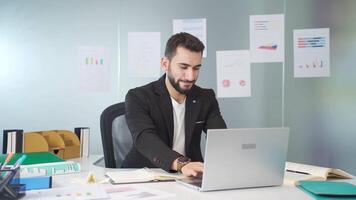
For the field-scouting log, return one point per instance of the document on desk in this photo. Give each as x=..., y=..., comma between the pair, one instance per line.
x=89, y=192
x=124, y=192
x=141, y=175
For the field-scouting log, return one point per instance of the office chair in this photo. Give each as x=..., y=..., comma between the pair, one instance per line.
x=115, y=135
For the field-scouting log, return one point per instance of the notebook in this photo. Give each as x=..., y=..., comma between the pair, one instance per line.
x=34, y=158
x=242, y=158
x=141, y=176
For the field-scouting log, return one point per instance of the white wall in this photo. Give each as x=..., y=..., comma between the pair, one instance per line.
x=39, y=86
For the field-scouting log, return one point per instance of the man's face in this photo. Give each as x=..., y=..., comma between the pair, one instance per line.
x=183, y=69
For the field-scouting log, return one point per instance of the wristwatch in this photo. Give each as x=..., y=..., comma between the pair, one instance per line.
x=181, y=162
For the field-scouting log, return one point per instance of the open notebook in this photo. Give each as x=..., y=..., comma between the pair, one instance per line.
x=296, y=172
x=142, y=175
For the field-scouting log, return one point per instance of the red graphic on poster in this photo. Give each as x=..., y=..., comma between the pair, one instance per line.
x=242, y=82
x=226, y=83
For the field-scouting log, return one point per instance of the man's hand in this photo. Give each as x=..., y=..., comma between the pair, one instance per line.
x=193, y=169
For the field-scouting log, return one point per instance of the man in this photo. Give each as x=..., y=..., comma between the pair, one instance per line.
x=166, y=117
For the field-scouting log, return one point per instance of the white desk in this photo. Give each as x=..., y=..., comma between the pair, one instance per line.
x=180, y=191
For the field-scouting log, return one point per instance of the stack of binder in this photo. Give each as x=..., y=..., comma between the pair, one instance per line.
x=43, y=163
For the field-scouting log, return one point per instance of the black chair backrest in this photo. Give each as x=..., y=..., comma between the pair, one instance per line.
x=115, y=135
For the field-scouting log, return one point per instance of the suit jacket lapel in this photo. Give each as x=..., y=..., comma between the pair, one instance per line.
x=165, y=105
x=192, y=108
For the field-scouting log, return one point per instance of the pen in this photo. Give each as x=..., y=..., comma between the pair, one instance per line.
x=297, y=172
x=19, y=161
x=8, y=158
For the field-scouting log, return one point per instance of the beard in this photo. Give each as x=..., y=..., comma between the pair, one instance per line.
x=176, y=86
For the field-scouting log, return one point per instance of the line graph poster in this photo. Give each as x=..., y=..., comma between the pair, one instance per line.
x=196, y=27
x=311, y=53
x=233, y=73
x=144, y=54
x=267, y=38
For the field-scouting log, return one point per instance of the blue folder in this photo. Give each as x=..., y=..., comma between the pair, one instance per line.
x=329, y=190
x=36, y=183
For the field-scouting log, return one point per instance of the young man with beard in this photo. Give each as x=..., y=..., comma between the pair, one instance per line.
x=166, y=117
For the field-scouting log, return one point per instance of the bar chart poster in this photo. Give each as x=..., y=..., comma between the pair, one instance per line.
x=311, y=53
x=233, y=73
x=267, y=38
x=93, y=68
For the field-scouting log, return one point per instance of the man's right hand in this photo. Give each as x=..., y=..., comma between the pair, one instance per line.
x=193, y=169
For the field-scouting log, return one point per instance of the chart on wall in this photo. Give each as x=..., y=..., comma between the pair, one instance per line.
x=93, y=69
x=144, y=49
x=233, y=73
x=311, y=53
x=267, y=38
x=196, y=27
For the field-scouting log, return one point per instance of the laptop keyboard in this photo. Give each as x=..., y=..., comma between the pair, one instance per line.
x=194, y=181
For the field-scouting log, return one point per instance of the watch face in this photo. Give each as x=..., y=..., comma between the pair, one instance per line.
x=183, y=159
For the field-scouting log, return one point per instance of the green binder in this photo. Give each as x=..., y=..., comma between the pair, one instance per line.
x=329, y=190
x=34, y=158
x=44, y=164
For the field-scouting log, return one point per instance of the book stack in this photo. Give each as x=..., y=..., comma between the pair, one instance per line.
x=43, y=164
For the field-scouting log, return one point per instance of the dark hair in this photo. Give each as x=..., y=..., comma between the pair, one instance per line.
x=185, y=40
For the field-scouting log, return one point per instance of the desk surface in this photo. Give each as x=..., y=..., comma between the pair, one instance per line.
x=180, y=191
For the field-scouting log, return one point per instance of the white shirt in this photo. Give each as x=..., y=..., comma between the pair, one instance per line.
x=179, y=126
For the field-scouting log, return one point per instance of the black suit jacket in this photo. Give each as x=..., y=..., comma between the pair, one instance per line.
x=149, y=116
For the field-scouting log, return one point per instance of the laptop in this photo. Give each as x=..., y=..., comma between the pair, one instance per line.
x=242, y=158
